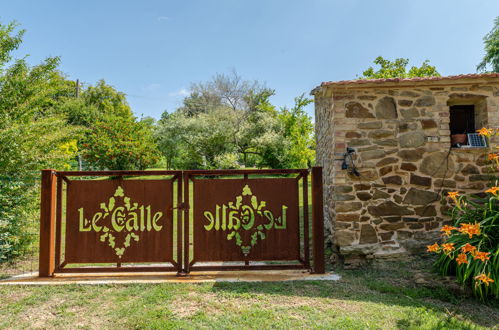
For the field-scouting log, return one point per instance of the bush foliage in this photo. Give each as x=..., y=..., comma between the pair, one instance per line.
x=471, y=246
x=398, y=69
x=231, y=123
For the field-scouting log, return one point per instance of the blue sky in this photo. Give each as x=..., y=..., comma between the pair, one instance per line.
x=153, y=50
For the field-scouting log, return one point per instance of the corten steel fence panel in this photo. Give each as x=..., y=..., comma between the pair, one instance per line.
x=248, y=220
x=241, y=218
x=119, y=221
x=113, y=221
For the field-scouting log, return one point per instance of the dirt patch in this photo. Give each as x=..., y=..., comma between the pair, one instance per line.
x=193, y=302
x=71, y=310
x=218, y=304
x=186, y=308
x=40, y=315
x=13, y=296
x=320, y=304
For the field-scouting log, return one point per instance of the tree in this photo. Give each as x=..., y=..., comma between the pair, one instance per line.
x=31, y=130
x=199, y=101
x=44, y=125
x=107, y=100
x=96, y=103
x=223, y=90
x=299, y=130
x=118, y=143
x=398, y=69
x=491, y=43
x=258, y=129
x=112, y=137
x=190, y=142
x=32, y=136
x=211, y=124
x=234, y=124
x=170, y=138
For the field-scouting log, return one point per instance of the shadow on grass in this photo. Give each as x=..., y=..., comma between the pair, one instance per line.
x=390, y=285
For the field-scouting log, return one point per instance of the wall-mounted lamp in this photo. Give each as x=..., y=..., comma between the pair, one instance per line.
x=348, y=163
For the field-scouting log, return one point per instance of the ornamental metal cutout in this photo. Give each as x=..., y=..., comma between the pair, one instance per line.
x=253, y=219
x=125, y=216
x=246, y=213
x=119, y=221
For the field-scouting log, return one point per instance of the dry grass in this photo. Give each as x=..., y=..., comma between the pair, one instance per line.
x=382, y=297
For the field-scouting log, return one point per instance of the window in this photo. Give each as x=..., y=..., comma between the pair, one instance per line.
x=463, y=126
x=462, y=119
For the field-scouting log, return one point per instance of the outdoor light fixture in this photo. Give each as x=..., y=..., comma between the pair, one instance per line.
x=345, y=164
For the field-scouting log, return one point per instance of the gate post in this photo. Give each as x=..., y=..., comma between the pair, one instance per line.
x=317, y=221
x=47, y=224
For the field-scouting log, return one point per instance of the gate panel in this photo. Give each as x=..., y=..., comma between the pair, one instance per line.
x=119, y=221
x=246, y=219
x=239, y=218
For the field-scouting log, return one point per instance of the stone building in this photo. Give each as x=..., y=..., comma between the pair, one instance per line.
x=387, y=198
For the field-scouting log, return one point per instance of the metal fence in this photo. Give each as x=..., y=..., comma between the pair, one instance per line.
x=120, y=221
x=248, y=217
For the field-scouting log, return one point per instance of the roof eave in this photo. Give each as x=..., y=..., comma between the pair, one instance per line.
x=490, y=78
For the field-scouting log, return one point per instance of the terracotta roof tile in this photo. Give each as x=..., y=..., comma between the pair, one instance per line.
x=402, y=80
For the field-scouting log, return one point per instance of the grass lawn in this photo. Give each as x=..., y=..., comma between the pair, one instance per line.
x=382, y=296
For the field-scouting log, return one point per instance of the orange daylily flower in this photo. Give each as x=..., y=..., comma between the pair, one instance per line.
x=453, y=195
x=433, y=248
x=462, y=259
x=493, y=156
x=448, y=247
x=485, y=132
x=484, y=279
x=448, y=229
x=482, y=256
x=468, y=248
x=470, y=229
x=493, y=190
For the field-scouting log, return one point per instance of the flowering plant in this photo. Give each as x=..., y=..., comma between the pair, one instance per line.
x=488, y=133
x=471, y=246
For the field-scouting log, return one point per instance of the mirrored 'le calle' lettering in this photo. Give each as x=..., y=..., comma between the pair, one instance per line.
x=246, y=214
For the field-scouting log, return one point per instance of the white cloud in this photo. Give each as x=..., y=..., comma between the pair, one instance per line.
x=162, y=18
x=180, y=92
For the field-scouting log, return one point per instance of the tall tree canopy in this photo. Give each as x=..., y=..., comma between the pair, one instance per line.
x=44, y=125
x=32, y=136
x=113, y=138
x=491, y=45
x=120, y=143
x=398, y=69
x=229, y=122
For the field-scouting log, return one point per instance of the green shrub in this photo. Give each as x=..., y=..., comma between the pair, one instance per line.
x=17, y=206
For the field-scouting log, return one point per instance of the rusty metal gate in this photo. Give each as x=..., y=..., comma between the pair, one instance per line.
x=109, y=221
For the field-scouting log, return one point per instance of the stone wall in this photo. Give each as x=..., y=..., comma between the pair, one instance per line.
x=402, y=140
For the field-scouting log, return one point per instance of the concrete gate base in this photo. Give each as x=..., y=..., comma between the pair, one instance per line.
x=193, y=277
